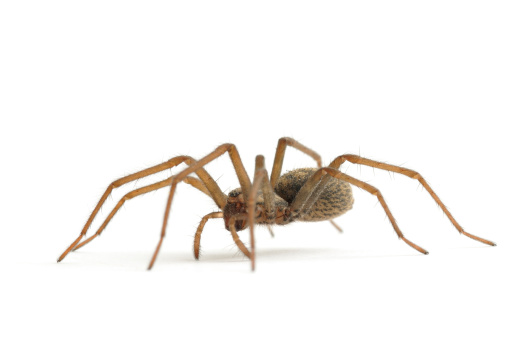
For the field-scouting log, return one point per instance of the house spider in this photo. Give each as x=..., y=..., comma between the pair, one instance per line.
x=308, y=194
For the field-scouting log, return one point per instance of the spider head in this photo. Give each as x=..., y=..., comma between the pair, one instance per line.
x=235, y=210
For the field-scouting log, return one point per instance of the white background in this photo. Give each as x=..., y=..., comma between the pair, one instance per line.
x=93, y=91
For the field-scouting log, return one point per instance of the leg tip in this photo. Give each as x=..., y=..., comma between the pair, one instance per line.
x=62, y=256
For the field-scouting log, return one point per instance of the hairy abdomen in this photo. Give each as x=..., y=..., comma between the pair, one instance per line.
x=335, y=199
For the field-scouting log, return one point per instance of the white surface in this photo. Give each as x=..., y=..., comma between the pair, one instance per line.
x=96, y=91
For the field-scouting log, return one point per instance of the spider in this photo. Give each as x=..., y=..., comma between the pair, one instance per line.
x=306, y=194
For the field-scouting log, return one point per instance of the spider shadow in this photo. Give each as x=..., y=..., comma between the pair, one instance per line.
x=290, y=254
x=298, y=254
x=126, y=260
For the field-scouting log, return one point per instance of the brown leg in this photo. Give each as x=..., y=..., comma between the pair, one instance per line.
x=309, y=193
x=311, y=182
x=280, y=154
x=200, y=228
x=235, y=236
x=137, y=192
x=260, y=182
x=277, y=164
x=261, y=177
x=412, y=174
x=337, y=227
x=195, y=167
x=211, y=186
x=146, y=172
x=198, y=185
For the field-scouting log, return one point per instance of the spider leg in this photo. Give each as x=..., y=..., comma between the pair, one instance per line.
x=311, y=185
x=261, y=181
x=336, y=163
x=235, y=236
x=280, y=154
x=336, y=226
x=260, y=178
x=278, y=161
x=208, y=182
x=200, y=228
x=232, y=228
x=146, y=172
x=137, y=192
x=196, y=167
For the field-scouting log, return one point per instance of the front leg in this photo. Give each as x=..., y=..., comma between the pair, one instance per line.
x=260, y=182
x=235, y=236
x=200, y=228
x=208, y=186
x=196, y=167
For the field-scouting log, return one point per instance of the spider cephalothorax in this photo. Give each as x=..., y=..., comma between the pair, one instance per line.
x=236, y=210
x=306, y=194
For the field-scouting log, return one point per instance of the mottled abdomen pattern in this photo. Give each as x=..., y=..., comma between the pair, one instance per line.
x=335, y=200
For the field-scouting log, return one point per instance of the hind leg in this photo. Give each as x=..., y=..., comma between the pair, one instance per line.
x=278, y=162
x=409, y=173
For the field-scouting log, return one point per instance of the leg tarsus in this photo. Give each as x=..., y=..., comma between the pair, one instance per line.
x=477, y=238
x=415, y=246
x=69, y=249
x=155, y=254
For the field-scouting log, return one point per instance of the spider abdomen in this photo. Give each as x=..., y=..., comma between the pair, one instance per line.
x=335, y=200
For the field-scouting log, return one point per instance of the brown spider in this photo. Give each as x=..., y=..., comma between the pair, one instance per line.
x=308, y=194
